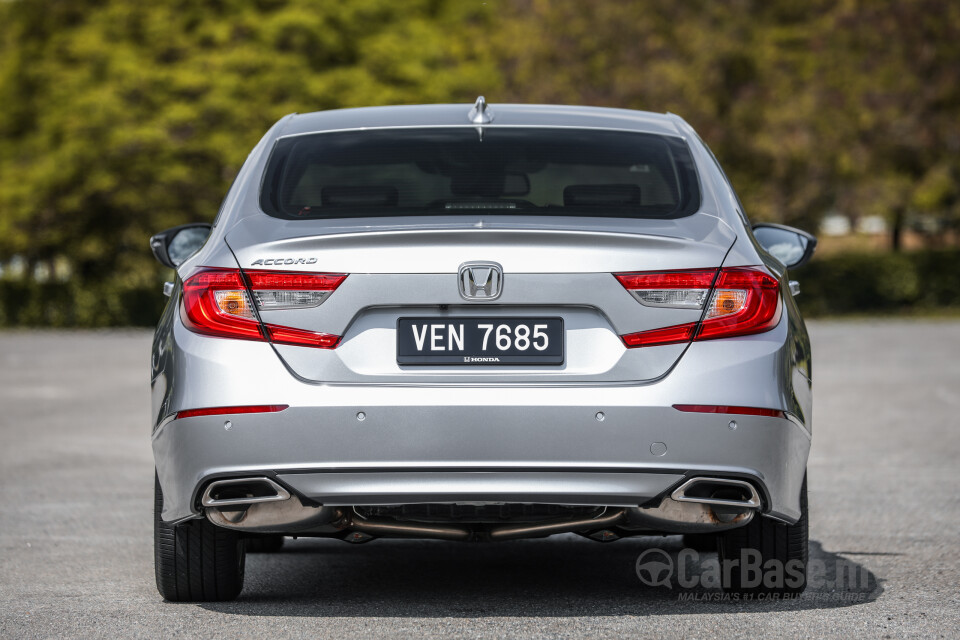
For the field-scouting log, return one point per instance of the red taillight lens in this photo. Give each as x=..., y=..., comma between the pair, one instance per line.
x=217, y=302
x=217, y=411
x=294, y=281
x=653, y=280
x=743, y=301
x=667, y=335
x=301, y=337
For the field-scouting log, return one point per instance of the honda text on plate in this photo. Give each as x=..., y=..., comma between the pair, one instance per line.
x=479, y=323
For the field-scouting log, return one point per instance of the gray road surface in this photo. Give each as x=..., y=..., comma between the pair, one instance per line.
x=76, y=497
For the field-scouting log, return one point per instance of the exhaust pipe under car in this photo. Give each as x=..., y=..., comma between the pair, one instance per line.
x=260, y=505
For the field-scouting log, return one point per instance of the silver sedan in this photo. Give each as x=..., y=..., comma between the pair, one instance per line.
x=480, y=323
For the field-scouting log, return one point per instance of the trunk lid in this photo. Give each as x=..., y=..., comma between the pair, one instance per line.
x=401, y=269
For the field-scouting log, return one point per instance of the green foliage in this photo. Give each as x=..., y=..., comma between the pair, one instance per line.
x=119, y=118
x=879, y=282
x=27, y=303
x=808, y=105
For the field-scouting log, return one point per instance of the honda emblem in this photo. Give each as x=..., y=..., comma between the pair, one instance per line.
x=480, y=280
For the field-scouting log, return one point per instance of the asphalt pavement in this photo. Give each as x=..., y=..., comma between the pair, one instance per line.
x=76, y=552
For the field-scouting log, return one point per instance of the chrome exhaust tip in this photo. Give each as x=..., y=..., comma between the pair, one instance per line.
x=241, y=491
x=260, y=505
x=719, y=492
x=700, y=505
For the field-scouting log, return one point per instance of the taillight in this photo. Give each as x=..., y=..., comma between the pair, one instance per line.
x=217, y=302
x=274, y=291
x=671, y=289
x=743, y=301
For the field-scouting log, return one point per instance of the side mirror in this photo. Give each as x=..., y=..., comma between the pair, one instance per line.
x=792, y=247
x=173, y=246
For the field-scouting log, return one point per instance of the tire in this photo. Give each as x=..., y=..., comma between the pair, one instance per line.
x=267, y=543
x=766, y=540
x=195, y=561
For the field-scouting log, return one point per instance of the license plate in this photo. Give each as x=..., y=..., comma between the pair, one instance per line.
x=480, y=341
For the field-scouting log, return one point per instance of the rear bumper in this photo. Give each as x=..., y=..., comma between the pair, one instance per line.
x=558, y=454
x=539, y=444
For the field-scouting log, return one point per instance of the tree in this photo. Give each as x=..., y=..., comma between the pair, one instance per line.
x=120, y=119
x=809, y=106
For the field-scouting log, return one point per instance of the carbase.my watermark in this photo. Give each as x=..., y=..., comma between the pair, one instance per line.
x=688, y=570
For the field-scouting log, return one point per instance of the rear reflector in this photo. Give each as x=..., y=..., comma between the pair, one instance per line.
x=216, y=411
x=667, y=335
x=218, y=302
x=743, y=301
x=289, y=335
x=720, y=408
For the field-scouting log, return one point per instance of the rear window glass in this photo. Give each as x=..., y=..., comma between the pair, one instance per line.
x=509, y=171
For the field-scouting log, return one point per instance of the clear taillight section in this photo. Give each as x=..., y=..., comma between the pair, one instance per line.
x=219, y=302
x=670, y=289
x=739, y=301
x=291, y=290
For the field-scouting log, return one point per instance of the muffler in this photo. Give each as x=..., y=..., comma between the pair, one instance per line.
x=699, y=505
x=671, y=516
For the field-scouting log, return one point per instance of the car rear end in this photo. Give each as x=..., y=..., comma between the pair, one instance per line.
x=481, y=332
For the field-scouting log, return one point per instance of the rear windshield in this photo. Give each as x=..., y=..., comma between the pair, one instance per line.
x=509, y=171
